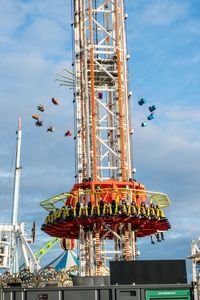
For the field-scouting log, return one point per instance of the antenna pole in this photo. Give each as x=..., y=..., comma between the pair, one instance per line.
x=15, y=206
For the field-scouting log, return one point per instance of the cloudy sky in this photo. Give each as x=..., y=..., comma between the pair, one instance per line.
x=164, y=44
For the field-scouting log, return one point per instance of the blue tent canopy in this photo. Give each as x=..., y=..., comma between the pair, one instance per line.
x=64, y=261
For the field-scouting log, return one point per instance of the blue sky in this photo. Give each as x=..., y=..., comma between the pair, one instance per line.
x=164, y=44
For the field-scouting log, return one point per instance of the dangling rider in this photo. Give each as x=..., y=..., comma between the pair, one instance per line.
x=40, y=107
x=38, y=123
x=55, y=101
x=68, y=133
x=51, y=129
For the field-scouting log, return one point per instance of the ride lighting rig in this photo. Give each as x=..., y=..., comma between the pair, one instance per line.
x=106, y=201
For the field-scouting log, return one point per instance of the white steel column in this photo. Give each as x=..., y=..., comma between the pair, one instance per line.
x=12, y=236
x=17, y=176
x=15, y=206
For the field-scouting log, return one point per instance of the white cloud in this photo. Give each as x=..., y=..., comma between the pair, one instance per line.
x=10, y=17
x=164, y=12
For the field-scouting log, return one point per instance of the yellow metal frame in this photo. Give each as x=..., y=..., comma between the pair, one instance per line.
x=49, y=204
x=160, y=198
x=42, y=251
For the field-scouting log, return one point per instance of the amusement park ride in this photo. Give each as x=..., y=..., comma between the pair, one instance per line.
x=106, y=202
x=107, y=210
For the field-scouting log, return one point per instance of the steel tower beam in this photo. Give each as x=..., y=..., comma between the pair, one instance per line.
x=101, y=91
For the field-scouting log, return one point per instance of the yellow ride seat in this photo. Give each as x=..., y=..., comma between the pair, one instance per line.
x=152, y=212
x=142, y=211
x=108, y=210
x=117, y=209
x=138, y=209
x=70, y=212
x=124, y=209
x=51, y=218
x=46, y=220
x=64, y=213
x=92, y=211
x=161, y=214
x=96, y=211
x=74, y=212
x=84, y=211
x=58, y=214
x=132, y=210
x=147, y=212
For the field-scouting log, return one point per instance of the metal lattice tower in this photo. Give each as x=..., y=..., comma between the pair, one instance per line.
x=105, y=203
x=101, y=91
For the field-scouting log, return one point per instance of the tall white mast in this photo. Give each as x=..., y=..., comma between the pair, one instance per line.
x=12, y=236
x=15, y=206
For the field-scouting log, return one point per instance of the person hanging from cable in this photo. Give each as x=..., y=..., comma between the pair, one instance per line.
x=38, y=123
x=40, y=107
x=51, y=129
x=68, y=133
x=55, y=101
x=36, y=117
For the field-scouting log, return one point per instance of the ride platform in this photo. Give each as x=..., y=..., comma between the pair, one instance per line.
x=108, y=207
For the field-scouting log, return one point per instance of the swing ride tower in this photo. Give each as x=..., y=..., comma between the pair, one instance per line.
x=106, y=202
